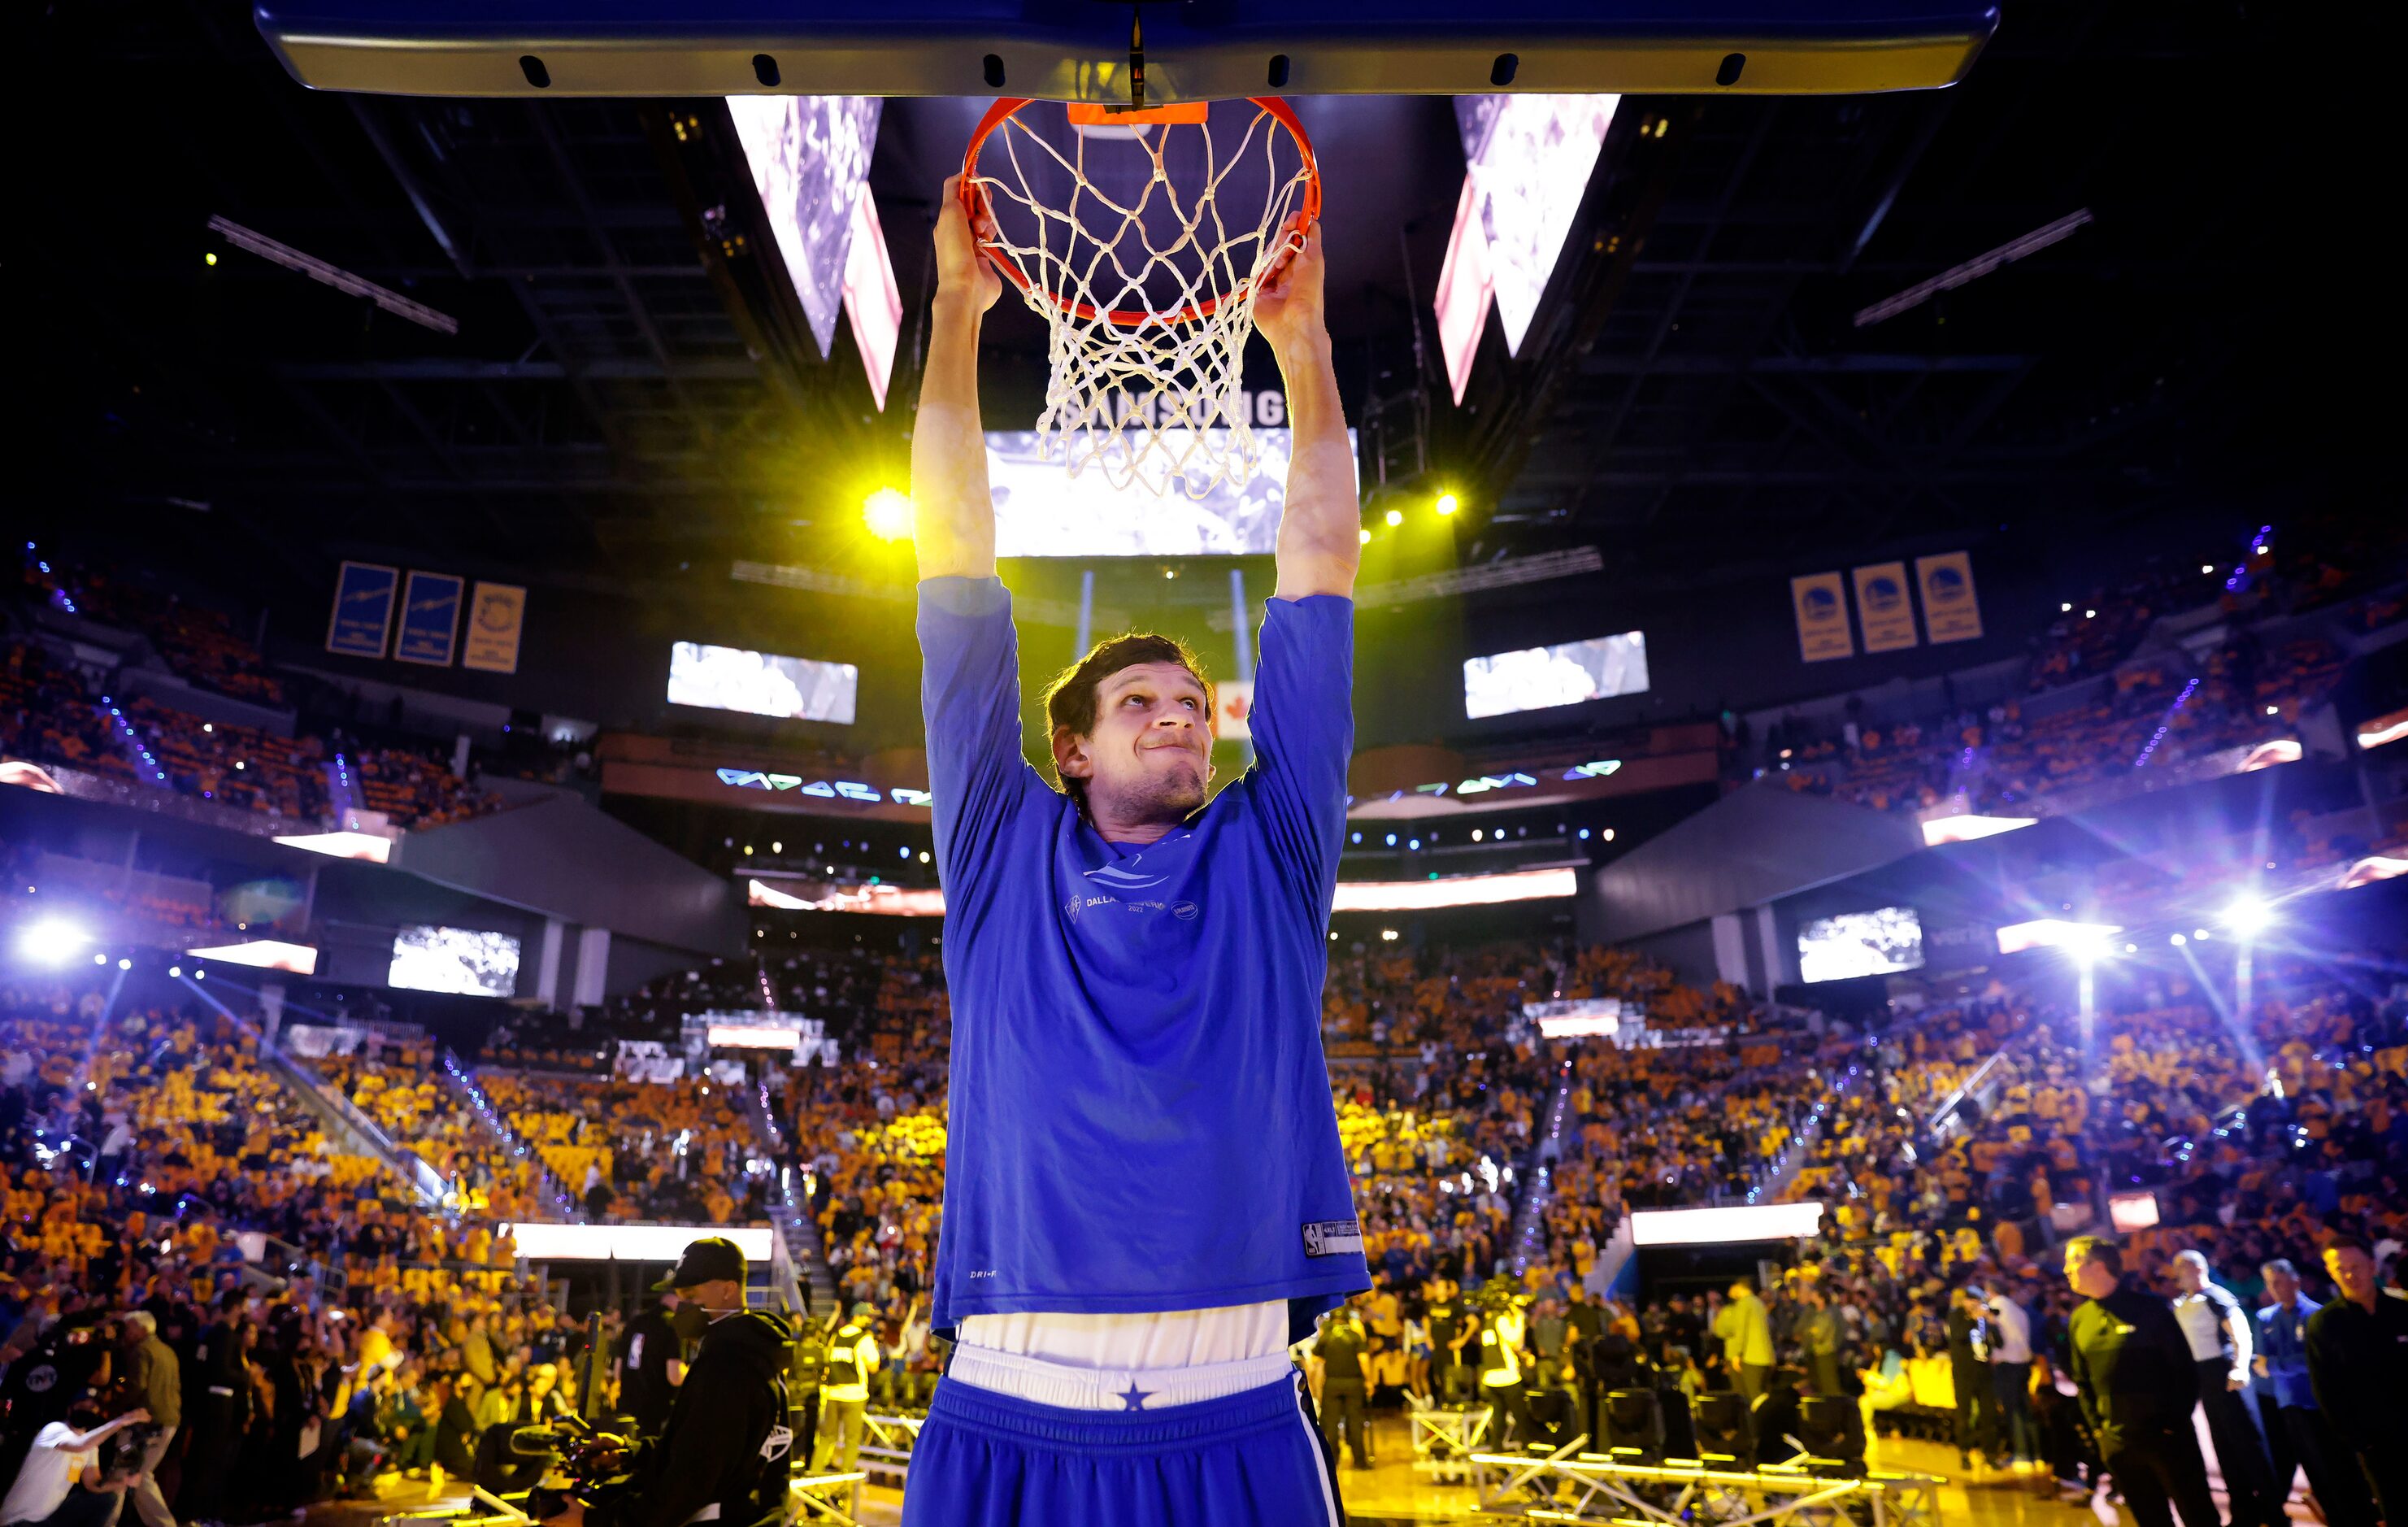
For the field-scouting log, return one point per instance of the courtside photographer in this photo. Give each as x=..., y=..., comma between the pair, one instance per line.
x=722, y=1455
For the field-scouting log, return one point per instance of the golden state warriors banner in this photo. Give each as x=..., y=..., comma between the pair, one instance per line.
x=363, y=609
x=1952, y=612
x=495, y=616
x=430, y=618
x=1883, y=610
x=1822, y=605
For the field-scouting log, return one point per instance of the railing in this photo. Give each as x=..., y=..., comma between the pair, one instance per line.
x=797, y=1236
x=1539, y=1175
x=456, y=1077
x=341, y=1114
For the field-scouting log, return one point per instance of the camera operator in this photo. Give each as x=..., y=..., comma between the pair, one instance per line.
x=721, y=1456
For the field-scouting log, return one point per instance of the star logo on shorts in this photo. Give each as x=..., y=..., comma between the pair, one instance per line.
x=1133, y=1397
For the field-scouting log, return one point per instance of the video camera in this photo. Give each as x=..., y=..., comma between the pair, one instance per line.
x=593, y=1465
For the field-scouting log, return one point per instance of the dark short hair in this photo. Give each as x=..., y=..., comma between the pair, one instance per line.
x=2279, y=1264
x=2349, y=1243
x=2096, y=1248
x=1070, y=698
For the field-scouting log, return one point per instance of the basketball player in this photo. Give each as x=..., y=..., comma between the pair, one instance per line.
x=1145, y=1199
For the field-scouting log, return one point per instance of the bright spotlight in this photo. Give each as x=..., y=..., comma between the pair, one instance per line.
x=1448, y=503
x=2178, y=941
x=1366, y=538
x=175, y=972
x=888, y=514
x=51, y=942
x=2248, y=917
x=125, y=964
x=1396, y=517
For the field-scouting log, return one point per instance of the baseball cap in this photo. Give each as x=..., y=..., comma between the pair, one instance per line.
x=862, y=1307
x=706, y=1261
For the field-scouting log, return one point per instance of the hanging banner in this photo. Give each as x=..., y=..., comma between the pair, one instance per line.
x=363, y=609
x=495, y=617
x=1883, y=610
x=1952, y=612
x=430, y=618
x=1822, y=606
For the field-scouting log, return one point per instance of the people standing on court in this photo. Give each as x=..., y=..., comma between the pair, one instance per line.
x=852, y=1356
x=155, y=1379
x=1746, y=1331
x=651, y=1365
x=1503, y=1330
x=1819, y=1333
x=2219, y=1333
x=221, y=1409
x=1339, y=1384
x=2296, y=1433
x=2357, y=1364
x=1452, y=1328
x=1969, y=1374
x=2011, y=1366
x=2132, y=1368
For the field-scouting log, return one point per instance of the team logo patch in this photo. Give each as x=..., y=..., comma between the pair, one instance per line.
x=1333, y=1237
x=779, y=1441
x=1184, y=911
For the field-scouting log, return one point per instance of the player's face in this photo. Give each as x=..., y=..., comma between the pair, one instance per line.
x=1151, y=753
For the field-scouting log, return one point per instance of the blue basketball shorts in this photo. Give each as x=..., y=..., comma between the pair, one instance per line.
x=1252, y=1459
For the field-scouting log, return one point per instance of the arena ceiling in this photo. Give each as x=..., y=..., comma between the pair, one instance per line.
x=623, y=391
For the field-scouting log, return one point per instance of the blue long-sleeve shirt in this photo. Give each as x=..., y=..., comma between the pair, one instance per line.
x=2280, y=1340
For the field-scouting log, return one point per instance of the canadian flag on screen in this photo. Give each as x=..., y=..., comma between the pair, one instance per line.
x=1233, y=711
x=871, y=297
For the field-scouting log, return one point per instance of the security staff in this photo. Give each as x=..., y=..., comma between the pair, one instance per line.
x=221, y=1409
x=2357, y=1362
x=1338, y=1372
x=2296, y=1431
x=723, y=1454
x=853, y=1356
x=2221, y=1339
x=2132, y=1366
x=652, y=1366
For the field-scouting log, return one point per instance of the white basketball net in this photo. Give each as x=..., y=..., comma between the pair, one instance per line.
x=1155, y=401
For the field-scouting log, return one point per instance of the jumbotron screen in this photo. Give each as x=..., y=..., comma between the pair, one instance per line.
x=761, y=683
x=1856, y=944
x=1538, y=678
x=468, y=961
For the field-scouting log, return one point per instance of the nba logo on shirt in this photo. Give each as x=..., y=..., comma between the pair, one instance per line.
x=1332, y=1237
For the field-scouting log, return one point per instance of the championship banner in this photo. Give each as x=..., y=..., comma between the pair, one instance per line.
x=495, y=617
x=363, y=609
x=1883, y=608
x=1822, y=608
x=430, y=618
x=1952, y=612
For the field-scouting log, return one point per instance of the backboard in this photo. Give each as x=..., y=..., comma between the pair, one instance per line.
x=1078, y=49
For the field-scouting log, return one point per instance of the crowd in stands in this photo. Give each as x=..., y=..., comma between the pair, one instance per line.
x=2096, y=702
x=52, y=713
x=675, y=1150
x=197, y=643
x=1954, y=1148
x=177, y=1236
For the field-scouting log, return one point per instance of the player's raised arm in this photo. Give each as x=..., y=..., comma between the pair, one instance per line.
x=1319, y=534
x=952, y=513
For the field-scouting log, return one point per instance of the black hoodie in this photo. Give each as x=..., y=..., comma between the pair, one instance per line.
x=727, y=1440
